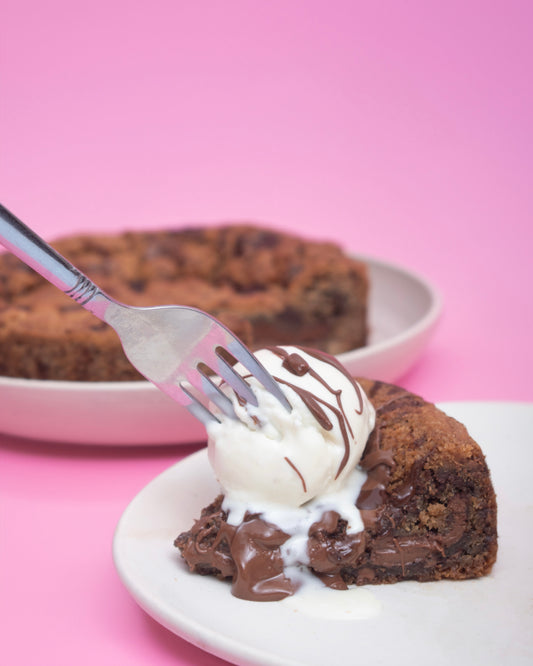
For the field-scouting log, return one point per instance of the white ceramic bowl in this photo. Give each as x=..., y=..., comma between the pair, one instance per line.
x=403, y=311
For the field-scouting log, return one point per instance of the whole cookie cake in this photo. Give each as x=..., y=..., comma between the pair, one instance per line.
x=267, y=286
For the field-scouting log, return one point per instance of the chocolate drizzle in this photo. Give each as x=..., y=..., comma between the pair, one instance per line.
x=298, y=366
x=377, y=463
x=312, y=402
x=291, y=464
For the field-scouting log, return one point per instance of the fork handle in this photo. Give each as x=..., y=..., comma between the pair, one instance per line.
x=36, y=253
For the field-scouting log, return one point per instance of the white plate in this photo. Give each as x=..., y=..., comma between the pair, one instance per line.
x=485, y=621
x=403, y=311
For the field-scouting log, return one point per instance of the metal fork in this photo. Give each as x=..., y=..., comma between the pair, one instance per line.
x=180, y=349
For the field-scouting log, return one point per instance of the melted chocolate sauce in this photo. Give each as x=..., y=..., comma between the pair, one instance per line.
x=255, y=548
x=298, y=366
x=291, y=464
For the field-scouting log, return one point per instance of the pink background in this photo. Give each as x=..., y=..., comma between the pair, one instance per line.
x=400, y=129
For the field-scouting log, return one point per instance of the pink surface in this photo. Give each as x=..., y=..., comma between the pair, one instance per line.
x=401, y=129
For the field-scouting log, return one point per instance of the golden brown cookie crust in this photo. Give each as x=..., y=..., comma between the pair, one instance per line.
x=269, y=287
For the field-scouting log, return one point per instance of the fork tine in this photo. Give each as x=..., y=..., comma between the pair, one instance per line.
x=198, y=385
x=233, y=379
x=216, y=395
x=197, y=408
x=245, y=356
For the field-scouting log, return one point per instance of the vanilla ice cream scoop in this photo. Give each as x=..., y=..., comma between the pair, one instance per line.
x=272, y=456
